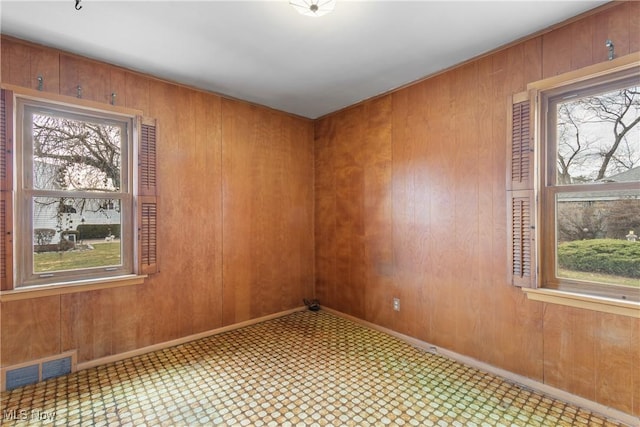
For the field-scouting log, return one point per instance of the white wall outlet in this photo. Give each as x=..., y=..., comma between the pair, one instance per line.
x=396, y=304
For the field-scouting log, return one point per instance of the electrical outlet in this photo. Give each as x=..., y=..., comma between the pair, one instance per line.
x=396, y=304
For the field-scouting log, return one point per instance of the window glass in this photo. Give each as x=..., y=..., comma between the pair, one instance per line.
x=596, y=237
x=72, y=154
x=598, y=136
x=75, y=233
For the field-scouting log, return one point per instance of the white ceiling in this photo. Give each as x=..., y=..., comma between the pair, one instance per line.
x=266, y=53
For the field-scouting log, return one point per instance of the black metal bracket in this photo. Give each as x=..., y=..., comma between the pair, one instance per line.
x=78, y=7
x=609, y=45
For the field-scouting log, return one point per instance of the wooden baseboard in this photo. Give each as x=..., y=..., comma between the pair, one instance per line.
x=183, y=340
x=128, y=354
x=509, y=376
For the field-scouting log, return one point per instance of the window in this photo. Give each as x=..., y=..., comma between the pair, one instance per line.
x=582, y=188
x=71, y=206
x=591, y=191
x=72, y=165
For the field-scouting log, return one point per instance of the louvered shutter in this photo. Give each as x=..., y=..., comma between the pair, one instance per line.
x=521, y=171
x=521, y=238
x=520, y=194
x=147, y=200
x=6, y=190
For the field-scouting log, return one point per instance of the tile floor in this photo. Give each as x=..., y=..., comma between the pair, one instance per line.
x=304, y=369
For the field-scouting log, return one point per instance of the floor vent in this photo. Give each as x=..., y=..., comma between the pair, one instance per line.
x=25, y=375
x=56, y=368
x=38, y=370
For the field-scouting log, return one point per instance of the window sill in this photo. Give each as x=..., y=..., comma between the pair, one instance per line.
x=71, y=287
x=604, y=305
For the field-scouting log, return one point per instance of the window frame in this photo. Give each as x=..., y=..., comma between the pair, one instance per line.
x=547, y=94
x=146, y=199
x=25, y=108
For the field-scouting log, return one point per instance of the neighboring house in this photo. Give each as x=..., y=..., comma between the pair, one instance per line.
x=61, y=215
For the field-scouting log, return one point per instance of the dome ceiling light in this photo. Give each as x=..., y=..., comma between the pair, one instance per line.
x=313, y=7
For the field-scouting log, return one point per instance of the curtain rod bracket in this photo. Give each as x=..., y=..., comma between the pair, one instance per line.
x=609, y=45
x=78, y=7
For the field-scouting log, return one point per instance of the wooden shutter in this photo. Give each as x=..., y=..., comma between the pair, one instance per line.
x=520, y=194
x=147, y=200
x=147, y=158
x=6, y=190
x=521, y=238
x=520, y=172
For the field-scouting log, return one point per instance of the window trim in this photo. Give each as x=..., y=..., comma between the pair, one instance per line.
x=584, y=301
x=145, y=129
x=25, y=192
x=64, y=288
x=583, y=80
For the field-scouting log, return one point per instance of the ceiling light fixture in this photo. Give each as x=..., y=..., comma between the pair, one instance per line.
x=313, y=7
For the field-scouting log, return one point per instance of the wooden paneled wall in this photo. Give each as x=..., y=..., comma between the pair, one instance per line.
x=235, y=210
x=410, y=203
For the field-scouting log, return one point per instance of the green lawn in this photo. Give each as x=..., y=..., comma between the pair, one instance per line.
x=102, y=255
x=599, y=277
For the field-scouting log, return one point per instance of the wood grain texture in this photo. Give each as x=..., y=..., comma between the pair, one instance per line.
x=267, y=208
x=614, y=24
x=412, y=228
x=93, y=79
x=615, y=354
x=407, y=200
x=86, y=320
x=22, y=64
x=207, y=164
x=30, y=329
x=16, y=63
x=353, y=226
x=448, y=214
x=187, y=296
x=635, y=363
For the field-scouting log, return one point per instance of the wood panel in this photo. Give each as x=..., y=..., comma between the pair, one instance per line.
x=615, y=353
x=614, y=24
x=482, y=327
x=635, y=361
x=409, y=202
x=412, y=170
x=207, y=167
x=186, y=297
x=93, y=79
x=449, y=220
x=377, y=206
x=561, y=336
x=441, y=210
x=22, y=64
x=325, y=212
x=137, y=92
x=16, y=63
x=87, y=324
x=466, y=214
x=30, y=329
x=556, y=49
x=354, y=219
x=267, y=181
